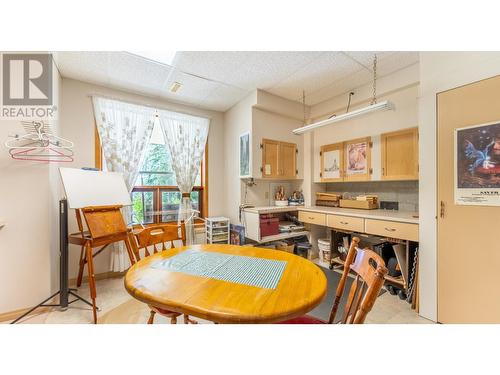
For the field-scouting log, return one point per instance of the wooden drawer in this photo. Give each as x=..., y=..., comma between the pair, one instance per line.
x=392, y=229
x=312, y=218
x=355, y=224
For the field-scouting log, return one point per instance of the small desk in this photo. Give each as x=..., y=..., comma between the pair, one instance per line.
x=301, y=288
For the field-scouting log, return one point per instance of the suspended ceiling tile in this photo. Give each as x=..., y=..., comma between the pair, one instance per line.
x=85, y=66
x=322, y=72
x=397, y=61
x=192, y=87
x=343, y=85
x=224, y=97
x=365, y=58
x=246, y=70
x=131, y=69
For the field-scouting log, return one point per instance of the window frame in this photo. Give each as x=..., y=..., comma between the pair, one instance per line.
x=157, y=190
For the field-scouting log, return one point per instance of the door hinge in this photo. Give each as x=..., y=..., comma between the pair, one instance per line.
x=370, y=144
x=371, y=170
x=261, y=169
x=296, y=171
x=441, y=211
x=320, y=174
x=321, y=153
x=261, y=146
x=296, y=150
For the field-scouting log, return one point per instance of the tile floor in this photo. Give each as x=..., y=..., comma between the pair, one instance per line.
x=117, y=307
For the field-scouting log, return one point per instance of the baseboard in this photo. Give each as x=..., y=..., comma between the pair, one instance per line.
x=11, y=315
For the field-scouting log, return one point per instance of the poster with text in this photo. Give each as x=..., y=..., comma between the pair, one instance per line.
x=477, y=165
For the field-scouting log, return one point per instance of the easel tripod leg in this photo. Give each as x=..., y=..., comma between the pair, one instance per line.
x=90, y=267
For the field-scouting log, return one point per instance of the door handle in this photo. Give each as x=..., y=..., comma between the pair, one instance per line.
x=441, y=211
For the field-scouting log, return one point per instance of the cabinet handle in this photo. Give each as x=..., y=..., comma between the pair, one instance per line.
x=390, y=229
x=310, y=218
x=344, y=222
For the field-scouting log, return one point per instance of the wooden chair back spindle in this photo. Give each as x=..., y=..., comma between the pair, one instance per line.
x=369, y=270
x=157, y=236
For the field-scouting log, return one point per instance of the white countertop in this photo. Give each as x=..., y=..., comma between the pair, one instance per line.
x=272, y=209
x=378, y=214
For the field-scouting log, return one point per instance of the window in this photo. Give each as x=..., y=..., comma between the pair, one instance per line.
x=155, y=197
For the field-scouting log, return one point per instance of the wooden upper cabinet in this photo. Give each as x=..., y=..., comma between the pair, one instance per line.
x=279, y=159
x=400, y=155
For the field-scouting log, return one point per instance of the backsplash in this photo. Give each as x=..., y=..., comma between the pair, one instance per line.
x=403, y=192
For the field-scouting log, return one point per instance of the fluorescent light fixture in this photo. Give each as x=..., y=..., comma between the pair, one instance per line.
x=382, y=106
x=162, y=57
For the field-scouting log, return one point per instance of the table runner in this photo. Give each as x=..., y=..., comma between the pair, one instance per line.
x=259, y=272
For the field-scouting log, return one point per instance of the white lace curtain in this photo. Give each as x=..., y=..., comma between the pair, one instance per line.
x=186, y=137
x=125, y=131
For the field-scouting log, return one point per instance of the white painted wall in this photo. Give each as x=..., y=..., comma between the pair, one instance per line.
x=29, y=241
x=77, y=124
x=439, y=71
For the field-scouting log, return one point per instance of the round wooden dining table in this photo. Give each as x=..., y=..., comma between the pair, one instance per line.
x=302, y=287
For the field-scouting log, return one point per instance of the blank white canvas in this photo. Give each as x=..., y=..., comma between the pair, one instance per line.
x=94, y=188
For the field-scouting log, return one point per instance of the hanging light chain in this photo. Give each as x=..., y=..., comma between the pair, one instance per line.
x=374, y=99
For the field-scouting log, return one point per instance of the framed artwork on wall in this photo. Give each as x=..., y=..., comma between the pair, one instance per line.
x=357, y=159
x=245, y=155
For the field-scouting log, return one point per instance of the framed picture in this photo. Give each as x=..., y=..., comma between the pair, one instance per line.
x=477, y=165
x=357, y=159
x=237, y=234
x=245, y=155
x=331, y=162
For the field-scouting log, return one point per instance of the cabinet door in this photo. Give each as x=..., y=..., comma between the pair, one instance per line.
x=400, y=155
x=288, y=160
x=270, y=158
x=332, y=160
x=357, y=159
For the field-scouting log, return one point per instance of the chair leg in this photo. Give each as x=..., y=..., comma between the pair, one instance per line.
x=188, y=320
x=82, y=266
x=151, y=317
x=90, y=267
x=173, y=320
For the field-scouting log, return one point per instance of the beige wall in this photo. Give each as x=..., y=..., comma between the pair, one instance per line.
x=28, y=243
x=265, y=116
x=439, y=71
x=77, y=124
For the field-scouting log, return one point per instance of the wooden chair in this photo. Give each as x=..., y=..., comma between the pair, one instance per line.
x=370, y=270
x=157, y=236
x=105, y=226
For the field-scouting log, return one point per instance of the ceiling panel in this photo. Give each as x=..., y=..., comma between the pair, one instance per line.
x=135, y=70
x=343, y=85
x=322, y=72
x=246, y=70
x=218, y=80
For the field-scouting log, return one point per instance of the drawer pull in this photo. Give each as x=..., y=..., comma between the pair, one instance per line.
x=390, y=229
x=344, y=222
x=310, y=218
